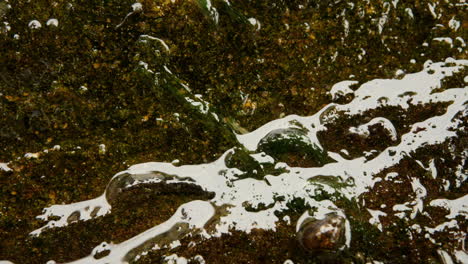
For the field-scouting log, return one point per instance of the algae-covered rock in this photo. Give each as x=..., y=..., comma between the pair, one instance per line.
x=252, y=165
x=120, y=182
x=282, y=144
x=208, y=10
x=240, y=159
x=156, y=180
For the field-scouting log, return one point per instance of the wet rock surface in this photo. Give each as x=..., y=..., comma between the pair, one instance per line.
x=88, y=88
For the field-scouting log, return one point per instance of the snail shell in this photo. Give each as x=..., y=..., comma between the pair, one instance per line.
x=327, y=234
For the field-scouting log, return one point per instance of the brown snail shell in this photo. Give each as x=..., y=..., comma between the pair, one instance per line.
x=327, y=234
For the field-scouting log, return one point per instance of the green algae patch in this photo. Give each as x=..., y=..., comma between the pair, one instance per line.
x=291, y=142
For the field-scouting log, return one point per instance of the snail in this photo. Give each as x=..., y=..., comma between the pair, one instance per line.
x=325, y=235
